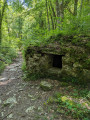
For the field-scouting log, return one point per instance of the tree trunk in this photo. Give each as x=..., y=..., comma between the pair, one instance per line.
x=54, y=15
x=0, y=34
x=47, y=16
x=81, y=7
x=0, y=28
x=20, y=27
x=51, y=18
x=41, y=23
x=1, y=18
x=58, y=11
x=62, y=10
x=75, y=7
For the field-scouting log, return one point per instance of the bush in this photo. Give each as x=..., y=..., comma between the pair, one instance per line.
x=7, y=54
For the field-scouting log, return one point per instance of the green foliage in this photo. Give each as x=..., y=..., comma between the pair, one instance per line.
x=32, y=76
x=74, y=80
x=80, y=93
x=28, y=22
x=7, y=54
x=71, y=25
x=88, y=44
x=69, y=107
x=40, y=22
x=2, y=65
x=63, y=84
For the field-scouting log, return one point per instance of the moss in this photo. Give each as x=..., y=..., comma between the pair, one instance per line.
x=87, y=64
x=51, y=100
x=34, y=76
x=64, y=99
x=63, y=84
x=76, y=40
x=45, y=85
x=88, y=44
x=57, y=95
x=39, y=60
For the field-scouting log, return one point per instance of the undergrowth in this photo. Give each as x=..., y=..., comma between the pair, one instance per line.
x=7, y=54
x=70, y=107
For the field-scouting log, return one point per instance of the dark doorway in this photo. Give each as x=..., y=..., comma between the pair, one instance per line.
x=57, y=61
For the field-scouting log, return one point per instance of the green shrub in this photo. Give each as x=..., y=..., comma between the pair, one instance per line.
x=2, y=65
x=7, y=54
x=76, y=110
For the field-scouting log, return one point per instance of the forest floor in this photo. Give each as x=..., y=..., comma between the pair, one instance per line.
x=21, y=100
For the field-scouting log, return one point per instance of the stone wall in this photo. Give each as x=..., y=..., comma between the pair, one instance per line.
x=75, y=61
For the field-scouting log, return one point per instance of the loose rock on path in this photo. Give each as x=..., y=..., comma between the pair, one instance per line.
x=20, y=100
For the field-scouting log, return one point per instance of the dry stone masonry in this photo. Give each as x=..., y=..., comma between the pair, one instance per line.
x=59, y=61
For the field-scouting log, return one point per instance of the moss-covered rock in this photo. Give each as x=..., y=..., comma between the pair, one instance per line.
x=45, y=85
x=75, y=61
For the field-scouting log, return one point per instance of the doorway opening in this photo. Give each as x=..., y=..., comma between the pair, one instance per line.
x=57, y=61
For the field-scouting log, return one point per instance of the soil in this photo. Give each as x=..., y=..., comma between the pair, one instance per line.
x=27, y=101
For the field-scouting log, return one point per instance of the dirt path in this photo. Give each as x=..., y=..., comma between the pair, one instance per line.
x=20, y=100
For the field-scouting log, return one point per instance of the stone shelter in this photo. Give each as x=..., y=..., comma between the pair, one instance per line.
x=59, y=61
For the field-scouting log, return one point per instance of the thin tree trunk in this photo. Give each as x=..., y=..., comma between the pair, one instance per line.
x=62, y=10
x=81, y=7
x=0, y=34
x=1, y=18
x=51, y=18
x=8, y=28
x=75, y=7
x=0, y=27
x=47, y=16
x=41, y=23
x=20, y=27
x=54, y=15
x=58, y=11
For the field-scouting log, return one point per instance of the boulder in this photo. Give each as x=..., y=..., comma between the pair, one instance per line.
x=45, y=85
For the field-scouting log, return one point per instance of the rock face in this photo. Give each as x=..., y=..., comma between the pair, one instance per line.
x=59, y=61
x=45, y=85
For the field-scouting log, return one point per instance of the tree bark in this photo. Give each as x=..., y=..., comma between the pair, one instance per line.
x=47, y=16
x=81, y=7
x=1, y=18
x=75, y=7
x=51, y=18
x=58, y=11
x=0, y=35
x=20, y=27
x=62, y=10
x=54, y=15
